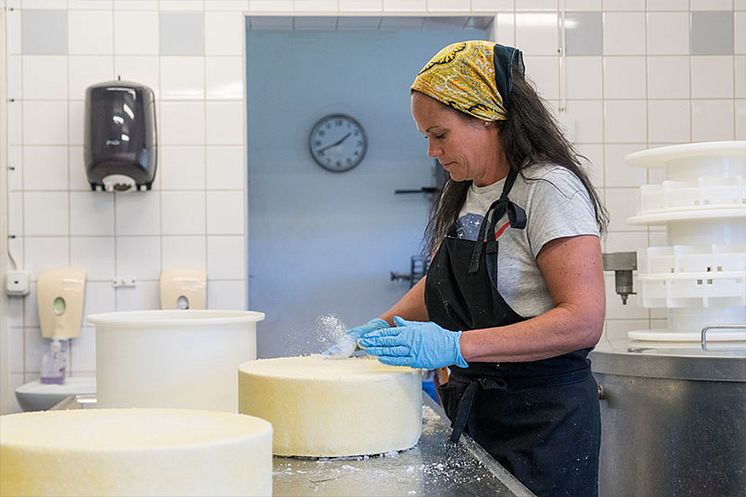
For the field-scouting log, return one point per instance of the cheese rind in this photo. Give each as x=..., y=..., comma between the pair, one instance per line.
x=330, y=408
x=134, y=452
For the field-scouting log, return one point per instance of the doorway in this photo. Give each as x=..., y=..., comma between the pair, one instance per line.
x=322, y=245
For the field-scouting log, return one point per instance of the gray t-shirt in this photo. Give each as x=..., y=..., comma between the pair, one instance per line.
x=557, y=205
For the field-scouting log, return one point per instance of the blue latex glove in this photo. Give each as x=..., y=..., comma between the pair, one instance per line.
x=415, y=344
x=346, y=345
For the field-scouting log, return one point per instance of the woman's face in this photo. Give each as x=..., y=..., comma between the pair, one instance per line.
x=469, y=149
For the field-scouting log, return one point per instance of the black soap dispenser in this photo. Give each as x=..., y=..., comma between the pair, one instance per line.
x=120, y=136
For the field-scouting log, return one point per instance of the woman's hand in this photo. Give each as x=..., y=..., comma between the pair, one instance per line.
x=415, y=344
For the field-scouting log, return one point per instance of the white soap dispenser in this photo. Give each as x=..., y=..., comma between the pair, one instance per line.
x=183, y=288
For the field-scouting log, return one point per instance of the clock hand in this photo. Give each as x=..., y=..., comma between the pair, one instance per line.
x=338, y=142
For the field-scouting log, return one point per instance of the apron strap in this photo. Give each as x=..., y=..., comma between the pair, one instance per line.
x=466, y=401
x=516, y=216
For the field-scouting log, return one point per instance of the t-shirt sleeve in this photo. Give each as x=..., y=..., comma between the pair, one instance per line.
x=559, y=206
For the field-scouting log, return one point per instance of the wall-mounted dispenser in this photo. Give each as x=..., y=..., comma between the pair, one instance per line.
x=120, y=136
x=60, y=296
x=183, y=288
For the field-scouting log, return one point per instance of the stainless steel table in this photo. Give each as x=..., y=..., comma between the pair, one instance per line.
x=434, y=467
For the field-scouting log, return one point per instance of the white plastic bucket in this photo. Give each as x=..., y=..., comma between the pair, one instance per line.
x=172, y=358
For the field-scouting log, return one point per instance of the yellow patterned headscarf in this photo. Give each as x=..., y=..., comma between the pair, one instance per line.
x=471, y=76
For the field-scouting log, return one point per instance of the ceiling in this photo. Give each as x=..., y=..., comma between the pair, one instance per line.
x=363, y=23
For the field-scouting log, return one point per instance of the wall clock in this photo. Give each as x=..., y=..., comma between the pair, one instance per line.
x=337, y=142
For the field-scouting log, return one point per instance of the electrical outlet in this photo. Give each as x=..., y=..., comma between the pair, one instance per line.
x=17, y=283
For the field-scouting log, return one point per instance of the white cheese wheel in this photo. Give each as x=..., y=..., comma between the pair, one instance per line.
x=134, y=452
x=321, y=407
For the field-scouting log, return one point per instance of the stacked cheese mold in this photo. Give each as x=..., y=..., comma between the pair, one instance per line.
x=331, y=408
x=700, y=277
x=134, y=452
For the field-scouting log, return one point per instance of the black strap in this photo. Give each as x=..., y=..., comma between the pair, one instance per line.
x=516, y=216
x=466, y=401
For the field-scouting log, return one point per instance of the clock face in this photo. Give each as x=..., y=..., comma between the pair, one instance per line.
x=337, y=142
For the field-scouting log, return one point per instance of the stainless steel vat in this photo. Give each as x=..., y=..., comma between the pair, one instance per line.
x=674, y=420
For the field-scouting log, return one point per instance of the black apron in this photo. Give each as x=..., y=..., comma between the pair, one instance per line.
x=540, y=420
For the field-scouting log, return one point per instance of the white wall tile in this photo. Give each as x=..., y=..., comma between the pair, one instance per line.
x=15, y=350
x=14, y=73
x=271, y=5
x=16, y=380
x=534, y=5
x=90, y=32
x=182, y=78
x=740, y=76
x=83, y=352
x=544, y=72
x=99, y=297
x=187, y=251
x=42, y=253
x=87, y=70
x=138, y=213
x=537, y=33
x=95, y=255
x=224, y=78
x=739, y=4
x=45, y=213
x=44, y=123
x=712, y=76
x=224, y=33
x=44, y=4
x=224, y=123
x=624, y=4
x=138, y=257
x=225, y=213
x=232, y=5
x=617, y=329
x=76, y=121
x=668, y=77
x=360, y=5
x=182, y=168
x=91, y=213
x=668, y=33
x=740, y=110
x=31, y=306
x=226, y=257
x=739, y=32
x=584, y=77
x=45, y=77
x=34, y=348
x=90, y=4
x=15, y=123
x=225, y=167
x=142, y=69
x=712, y=120
x=669, y=121
x=618, y=172
x=15, y=217
x=624, y=33
x=624, y=77
x=182, y=213
x=136, y=33
x=711, y=4
x=315, y=5
x=181, y=5
x=77, y=174
x=622, y=203
x=653, y=5
x=506, y=28
x=14, y=31
x=144, y=296
x=587, y=118
x=449, y=5
x=182, y=123
x=45, y=168
x=135, y=5
x=404, y=5
x=625, y=121
x=226, y=294
x=583, y=5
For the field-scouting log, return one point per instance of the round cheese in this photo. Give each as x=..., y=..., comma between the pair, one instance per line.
x=134, y=452
x=320, y=407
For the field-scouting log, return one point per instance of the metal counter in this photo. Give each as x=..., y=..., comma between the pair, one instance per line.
x=434, y=467
x=674, y=419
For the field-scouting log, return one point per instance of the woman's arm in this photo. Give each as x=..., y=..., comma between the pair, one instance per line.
x=573, y=272
x=411, y=306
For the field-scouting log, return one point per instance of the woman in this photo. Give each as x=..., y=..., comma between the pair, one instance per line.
x=514, y=297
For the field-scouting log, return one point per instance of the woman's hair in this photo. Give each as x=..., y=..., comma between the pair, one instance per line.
x=529, y=136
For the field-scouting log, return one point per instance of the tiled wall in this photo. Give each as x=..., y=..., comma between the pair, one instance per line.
x=637, y=74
